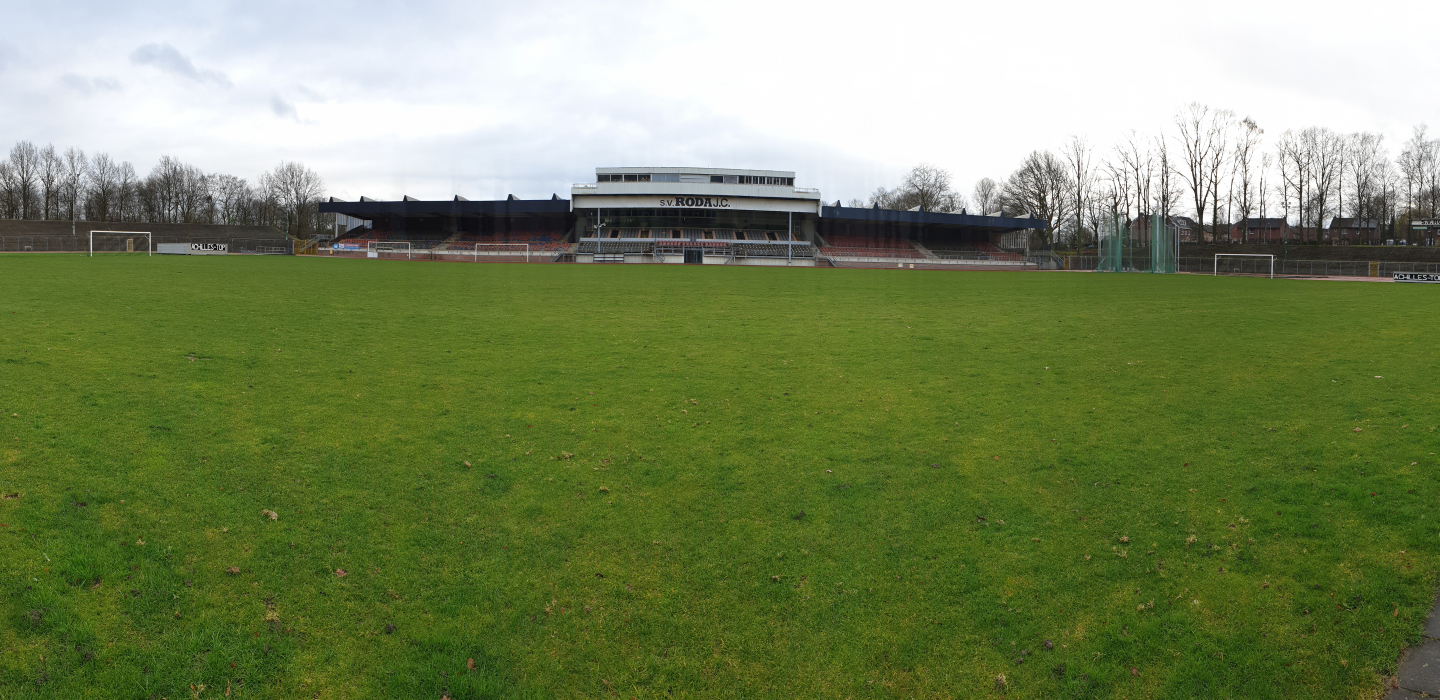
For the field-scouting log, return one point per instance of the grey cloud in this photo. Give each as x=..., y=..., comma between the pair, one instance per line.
x=168, y=59
x=309, y=94
x=283, y=109
x=89, y=86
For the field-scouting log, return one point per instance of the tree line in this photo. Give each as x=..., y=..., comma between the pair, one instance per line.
x=44, y=183
x=1213, y=167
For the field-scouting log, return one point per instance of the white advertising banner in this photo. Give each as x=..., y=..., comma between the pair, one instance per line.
x=685, y=201
x=192, y=248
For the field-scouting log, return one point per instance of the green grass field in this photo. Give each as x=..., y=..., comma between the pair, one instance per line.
x=665, y=482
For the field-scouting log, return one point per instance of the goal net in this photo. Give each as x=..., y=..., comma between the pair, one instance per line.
x=1249, y=264
x=121, y=242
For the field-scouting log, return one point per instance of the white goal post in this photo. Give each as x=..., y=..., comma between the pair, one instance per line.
x=1216, y=267
x=149, y=243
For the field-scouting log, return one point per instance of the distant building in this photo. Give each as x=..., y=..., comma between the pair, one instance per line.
x=1352, y=231
x=1186, y=229
x=1262, y=230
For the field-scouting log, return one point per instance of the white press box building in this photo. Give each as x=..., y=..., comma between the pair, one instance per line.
x=695, y=215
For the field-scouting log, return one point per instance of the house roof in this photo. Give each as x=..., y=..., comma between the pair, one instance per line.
x=1262, y=223
x=1350, y=222
x=409, y=206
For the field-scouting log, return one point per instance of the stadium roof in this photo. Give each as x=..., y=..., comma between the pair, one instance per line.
x=369, y=208
x=928, y=218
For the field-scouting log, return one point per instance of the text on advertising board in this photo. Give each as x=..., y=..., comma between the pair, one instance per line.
x=217, y=247
x=697, y=202
x=1432, y=278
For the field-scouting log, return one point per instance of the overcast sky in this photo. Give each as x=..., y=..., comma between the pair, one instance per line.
x=483, y=99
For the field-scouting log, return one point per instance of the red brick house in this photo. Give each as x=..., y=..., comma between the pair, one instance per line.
x=1275, y=230
x=1351, y=231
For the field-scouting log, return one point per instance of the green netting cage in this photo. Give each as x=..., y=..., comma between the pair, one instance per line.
x=1163, y=246
x=1112, y=245
x=1148, y=244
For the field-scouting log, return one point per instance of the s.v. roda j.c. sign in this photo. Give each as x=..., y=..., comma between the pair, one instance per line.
x=697, y=202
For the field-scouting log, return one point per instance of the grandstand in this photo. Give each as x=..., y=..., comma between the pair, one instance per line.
x=874, y=237
x=852, y=245
x=456, y=227
x=680, y=215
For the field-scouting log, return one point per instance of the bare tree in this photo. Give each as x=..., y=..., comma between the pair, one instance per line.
x=1041, y=187
x=1260, y=186
x=1364, y=154
x=1117, y=189
x=50, y=177
x=1420, y=172
x=1326, y=155
x=25, y=169
x=1246, y=153
x=925, y=187
x=1138, y=165
x=297, y=190
x=1167, y=188
x=1220, y=140
x=1078, y=159
x=1203, y=136
x=101, y=199
x=1430, y=183
x=986, y=196
x=1294, y=160
x=1423, y=177
x=127, y=195
x=175, y=193
x=74, y=170
x=234, y=199
x=9, y=191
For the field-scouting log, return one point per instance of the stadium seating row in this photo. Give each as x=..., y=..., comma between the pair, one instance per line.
x=668, y=246
x=870, y=252
x=842, y=240
x=772, y=251
x=693, y=234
